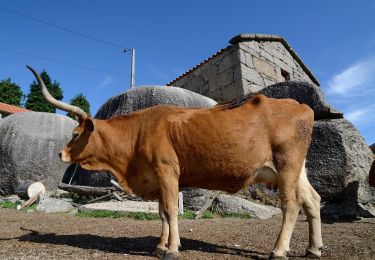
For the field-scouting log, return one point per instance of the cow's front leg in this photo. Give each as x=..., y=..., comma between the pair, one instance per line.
x=161, y=248
x=168, y=179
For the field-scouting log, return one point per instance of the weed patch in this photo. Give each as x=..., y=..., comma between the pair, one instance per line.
x=113, y=214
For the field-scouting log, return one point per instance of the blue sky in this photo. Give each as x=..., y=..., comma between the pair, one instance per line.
x=336, y=40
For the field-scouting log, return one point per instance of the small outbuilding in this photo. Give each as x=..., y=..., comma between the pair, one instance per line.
x=250, y=63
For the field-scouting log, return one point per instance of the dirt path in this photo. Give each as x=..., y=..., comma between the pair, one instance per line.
x=60, y=236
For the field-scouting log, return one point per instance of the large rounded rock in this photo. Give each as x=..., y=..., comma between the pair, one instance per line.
x=137, y=99
x=304, y=93
x=75, y=175
x=226, y=204
x=194, y=199
x=338, y=160
x=29, y=146
x=372, y=147
x=338, y=163
x=148, y=96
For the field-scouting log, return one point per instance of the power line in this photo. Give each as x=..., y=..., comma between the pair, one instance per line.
x=66, y=29
x=63, y=62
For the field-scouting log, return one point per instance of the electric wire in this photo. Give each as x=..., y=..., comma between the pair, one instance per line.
x=66, y=29
x=63, y=62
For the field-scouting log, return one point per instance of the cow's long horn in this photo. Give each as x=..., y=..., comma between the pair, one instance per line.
x=58, y=104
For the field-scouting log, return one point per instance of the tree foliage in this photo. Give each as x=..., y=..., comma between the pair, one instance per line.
x=10, y=92
x=80, y=101
x=35, y=100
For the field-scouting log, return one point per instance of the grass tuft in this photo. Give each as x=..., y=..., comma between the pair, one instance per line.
x=113, y=214
x=235, y=215
x=9, y=205
x=188, y=214
x=207, y=215
x=13, y=205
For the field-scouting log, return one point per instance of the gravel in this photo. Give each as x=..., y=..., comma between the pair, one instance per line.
x=63, y=236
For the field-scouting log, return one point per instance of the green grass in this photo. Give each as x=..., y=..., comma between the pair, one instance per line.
x=13, y=205
x=136, y=215
x=207, y=215
x=8, y=205
x=188, y=214
x=235, y=215
x=112, y=214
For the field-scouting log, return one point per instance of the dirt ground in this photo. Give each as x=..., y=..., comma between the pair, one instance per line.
x=61, y=236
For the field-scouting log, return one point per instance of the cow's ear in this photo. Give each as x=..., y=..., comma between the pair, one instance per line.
x=89, y=125
x=79, y=119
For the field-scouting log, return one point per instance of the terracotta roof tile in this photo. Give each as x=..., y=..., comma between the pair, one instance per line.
x=10, y=109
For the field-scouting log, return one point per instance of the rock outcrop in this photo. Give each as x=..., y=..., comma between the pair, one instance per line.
x=338, y=159
x=29, y=147
x=304, y=93
x=338, y=163
x=148, y=96
x=226, y=204
x=52, y=205
x=372, y=147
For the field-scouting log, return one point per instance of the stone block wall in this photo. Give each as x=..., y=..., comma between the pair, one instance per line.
x=251, y=63
x=264, y=62
x=220, y=74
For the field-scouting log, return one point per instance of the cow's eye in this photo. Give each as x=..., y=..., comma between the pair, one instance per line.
x=75, y=136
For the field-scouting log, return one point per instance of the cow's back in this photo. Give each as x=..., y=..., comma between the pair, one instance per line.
x=222, y=147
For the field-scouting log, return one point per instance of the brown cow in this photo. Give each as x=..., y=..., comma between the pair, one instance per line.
x=155, y=151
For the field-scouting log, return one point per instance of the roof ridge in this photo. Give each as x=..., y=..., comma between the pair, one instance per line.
x=200, y=64
x=257, y=37
x=12, y=108
x=270, y=37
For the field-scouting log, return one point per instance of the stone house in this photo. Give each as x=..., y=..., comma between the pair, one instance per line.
x=6, y=110
x=250, y=63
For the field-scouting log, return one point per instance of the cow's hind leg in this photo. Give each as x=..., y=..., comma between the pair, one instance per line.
x=288, y=178
x=311, y=206
x=168, y=178
x=161, y=248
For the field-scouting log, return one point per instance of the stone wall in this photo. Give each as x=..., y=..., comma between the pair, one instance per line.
x=262, y=64
x=218, y=77
x=250, y=64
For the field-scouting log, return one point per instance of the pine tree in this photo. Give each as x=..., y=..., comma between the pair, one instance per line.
x=10, y=92
x=80, y=101
x=35, y=100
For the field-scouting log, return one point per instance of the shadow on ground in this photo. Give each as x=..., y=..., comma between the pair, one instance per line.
x=138, y=246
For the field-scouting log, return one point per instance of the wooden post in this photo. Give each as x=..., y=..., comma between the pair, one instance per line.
x=180, y=203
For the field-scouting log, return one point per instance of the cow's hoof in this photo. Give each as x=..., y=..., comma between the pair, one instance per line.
x=313, y=255
x=275, y=257
x=158, y=252
x=170, y=256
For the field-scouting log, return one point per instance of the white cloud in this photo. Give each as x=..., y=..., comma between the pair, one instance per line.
x=361, y=115
x=357, y=115
x=357, y=79
x=106, y=81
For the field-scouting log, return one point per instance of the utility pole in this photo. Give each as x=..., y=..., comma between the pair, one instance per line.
x=132, y=72
x=132, y=67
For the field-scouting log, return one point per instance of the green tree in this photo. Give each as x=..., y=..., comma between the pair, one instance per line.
x=35, y=100
x=80, y=101
x=10, y=92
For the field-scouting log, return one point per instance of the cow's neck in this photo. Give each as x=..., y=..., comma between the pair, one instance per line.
x=117, y=138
